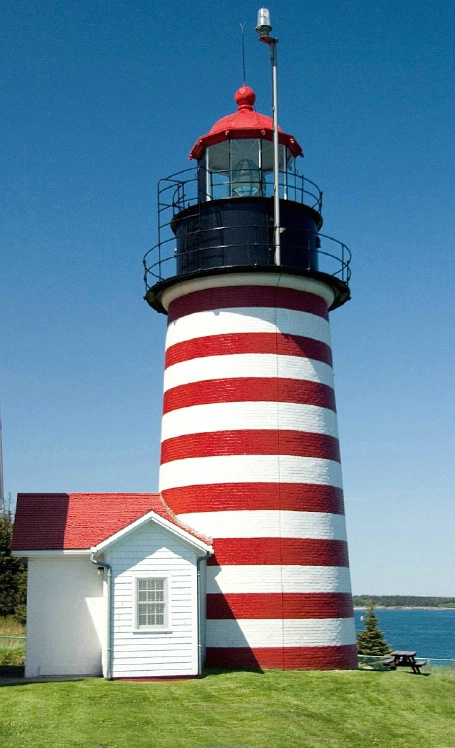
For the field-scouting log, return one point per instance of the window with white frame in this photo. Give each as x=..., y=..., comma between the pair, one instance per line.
x=151, y=603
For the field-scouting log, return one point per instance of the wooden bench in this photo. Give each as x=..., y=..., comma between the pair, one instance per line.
x=418, y=664
x=389, y=661
x=404, y=659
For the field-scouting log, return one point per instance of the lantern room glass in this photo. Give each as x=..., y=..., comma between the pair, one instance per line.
x=242, y=168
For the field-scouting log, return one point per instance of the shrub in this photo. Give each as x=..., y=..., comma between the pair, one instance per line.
x=371, y=640
x=13, y=574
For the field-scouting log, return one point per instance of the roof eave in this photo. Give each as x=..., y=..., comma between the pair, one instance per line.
x=29, y=553
x=165, y=524
x=243, y=133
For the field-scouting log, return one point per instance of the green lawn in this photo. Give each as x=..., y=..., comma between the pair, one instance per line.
x=235, y=710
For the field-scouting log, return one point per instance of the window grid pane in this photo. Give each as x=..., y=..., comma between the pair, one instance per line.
x=151, y=603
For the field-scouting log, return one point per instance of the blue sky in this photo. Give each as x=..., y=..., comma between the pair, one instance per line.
x=103, y=98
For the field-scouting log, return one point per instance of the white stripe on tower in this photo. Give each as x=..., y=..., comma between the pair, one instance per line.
x=244, y=416
x=302, y=579
x=242, y=364
x=250, y=456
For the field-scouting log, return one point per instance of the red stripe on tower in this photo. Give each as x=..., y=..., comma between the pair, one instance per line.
x=305, y=497
x=280, y=658
x=278, y=605
x=219, y=345
x=248, y=389
x=282, y=550
x=212, y=299
x=250, y=441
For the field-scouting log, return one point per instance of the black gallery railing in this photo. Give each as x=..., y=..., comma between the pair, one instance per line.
x=187, y=245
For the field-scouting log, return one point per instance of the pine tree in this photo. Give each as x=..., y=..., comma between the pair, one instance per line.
x=371, y=640
x=12, y=573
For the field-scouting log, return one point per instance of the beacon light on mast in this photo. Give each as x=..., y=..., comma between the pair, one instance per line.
x=264, y=25
x=249, y=450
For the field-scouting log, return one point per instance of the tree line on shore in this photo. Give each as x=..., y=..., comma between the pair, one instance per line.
x=403, y=601
x=13, y=574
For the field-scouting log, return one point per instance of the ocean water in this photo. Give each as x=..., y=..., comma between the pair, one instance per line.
x=431, y=633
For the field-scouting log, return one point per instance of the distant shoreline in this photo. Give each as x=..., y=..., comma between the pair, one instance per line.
x=404, y=607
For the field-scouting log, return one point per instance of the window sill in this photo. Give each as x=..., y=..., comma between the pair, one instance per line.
x=154, y=630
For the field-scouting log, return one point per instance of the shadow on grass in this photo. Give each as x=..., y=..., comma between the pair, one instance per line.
x=13, y=675
x=381, y=669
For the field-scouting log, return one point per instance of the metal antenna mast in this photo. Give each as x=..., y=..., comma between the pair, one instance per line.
x=242, y=26
x=264, y=28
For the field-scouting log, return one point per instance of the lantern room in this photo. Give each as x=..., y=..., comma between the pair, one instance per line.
x=236, y=158
x=241, y=168
x=218, y=216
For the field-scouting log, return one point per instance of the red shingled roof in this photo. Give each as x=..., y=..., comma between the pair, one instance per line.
x=77, y=521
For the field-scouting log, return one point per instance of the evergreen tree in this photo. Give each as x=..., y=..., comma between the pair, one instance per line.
x=13, y=574
x=371, y=640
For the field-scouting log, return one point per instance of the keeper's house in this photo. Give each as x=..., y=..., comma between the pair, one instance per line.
x=116, y=586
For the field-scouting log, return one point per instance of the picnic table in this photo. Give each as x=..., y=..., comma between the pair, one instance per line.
x=404, y=659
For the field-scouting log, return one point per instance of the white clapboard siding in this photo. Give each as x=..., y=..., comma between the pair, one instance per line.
x=152, y=552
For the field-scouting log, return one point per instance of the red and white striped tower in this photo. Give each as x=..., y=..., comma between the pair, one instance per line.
x=250, y=452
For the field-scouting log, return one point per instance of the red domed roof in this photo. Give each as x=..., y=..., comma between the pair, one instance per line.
x=244, y=123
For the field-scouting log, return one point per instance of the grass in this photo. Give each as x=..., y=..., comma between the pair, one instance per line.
x=228, y=709
x=235, y=710
x=12, y=650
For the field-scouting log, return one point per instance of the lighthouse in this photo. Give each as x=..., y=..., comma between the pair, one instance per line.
x=250, y=453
